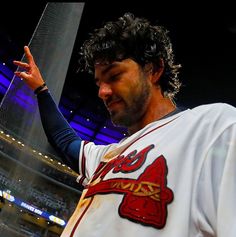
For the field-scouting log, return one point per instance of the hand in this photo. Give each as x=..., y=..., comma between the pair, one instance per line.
x=31, y=74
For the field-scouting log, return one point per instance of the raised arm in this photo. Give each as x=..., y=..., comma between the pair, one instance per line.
x=59, y=133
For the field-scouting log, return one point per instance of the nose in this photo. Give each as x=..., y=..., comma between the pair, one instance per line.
x=104, y=91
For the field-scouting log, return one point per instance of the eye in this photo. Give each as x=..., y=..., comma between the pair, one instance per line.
x=114, y=77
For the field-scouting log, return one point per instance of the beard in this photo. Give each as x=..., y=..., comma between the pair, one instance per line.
x=134, y=107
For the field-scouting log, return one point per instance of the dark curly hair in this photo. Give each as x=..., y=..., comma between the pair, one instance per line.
x=135, y=38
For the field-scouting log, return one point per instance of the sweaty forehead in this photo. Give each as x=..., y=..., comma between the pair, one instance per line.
x=103, y=68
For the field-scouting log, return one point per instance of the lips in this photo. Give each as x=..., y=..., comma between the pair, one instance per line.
x=113, y=103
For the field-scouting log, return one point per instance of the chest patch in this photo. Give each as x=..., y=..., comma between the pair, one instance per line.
x=146, y=198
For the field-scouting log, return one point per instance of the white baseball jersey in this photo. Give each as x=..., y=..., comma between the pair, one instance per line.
x=176, y=177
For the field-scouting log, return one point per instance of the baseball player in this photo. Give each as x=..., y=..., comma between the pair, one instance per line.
x=175, y=174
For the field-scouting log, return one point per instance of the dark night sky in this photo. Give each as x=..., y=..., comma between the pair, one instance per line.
x=204, y=40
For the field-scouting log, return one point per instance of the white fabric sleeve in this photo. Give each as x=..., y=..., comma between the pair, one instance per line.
x=215, y=210
x=89, y=159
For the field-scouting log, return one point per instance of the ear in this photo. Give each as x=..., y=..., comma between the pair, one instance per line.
x=157, y=71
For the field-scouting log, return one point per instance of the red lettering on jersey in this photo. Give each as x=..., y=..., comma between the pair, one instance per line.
x=145, y=199
x=132, y=161
x=124, y=164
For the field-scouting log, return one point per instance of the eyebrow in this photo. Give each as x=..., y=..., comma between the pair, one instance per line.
x=109, y=67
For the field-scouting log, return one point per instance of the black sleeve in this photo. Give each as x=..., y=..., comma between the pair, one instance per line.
x=58, y=131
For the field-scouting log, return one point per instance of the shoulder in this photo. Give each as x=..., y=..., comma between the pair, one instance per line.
x=215, y=106
x=214, y=118
x=217, y=110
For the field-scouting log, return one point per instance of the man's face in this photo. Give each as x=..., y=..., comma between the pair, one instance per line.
x=125, y=90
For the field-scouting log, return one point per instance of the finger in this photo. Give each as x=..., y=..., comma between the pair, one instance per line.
x=21, y=64
x=17, y=73
x=22, y=75
x=28, y=55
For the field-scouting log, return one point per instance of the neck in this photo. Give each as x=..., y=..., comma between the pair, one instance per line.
x=156, y=109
